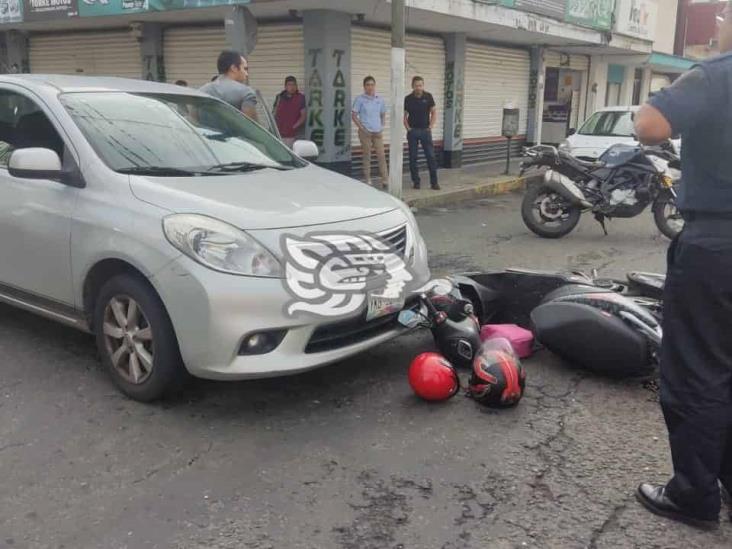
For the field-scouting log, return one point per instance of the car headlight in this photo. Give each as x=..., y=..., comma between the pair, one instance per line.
x=565, y=146
x=220, y=246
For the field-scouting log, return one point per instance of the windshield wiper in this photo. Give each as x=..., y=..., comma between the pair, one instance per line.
x=245, y=167
x=162, y=171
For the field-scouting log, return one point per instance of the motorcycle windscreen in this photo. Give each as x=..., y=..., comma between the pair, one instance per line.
x=592, y=338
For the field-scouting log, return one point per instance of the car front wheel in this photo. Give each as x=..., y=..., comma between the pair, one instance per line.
x=136, y=340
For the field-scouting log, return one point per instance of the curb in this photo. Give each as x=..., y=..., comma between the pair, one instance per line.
x=490, y=188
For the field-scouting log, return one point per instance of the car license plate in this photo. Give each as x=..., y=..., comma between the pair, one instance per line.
x=380, y=306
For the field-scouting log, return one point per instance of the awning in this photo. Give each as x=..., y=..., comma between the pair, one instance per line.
x=663, y=62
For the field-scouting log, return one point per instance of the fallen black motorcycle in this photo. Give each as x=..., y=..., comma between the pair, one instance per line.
x=612, y=327
x=621, y=184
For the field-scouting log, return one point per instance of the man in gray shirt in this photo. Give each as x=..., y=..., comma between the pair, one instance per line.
x=231, y=85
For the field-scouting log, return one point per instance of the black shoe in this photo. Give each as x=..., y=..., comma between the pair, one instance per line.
x=435, y=187
x=415, y=185
x=654, y=499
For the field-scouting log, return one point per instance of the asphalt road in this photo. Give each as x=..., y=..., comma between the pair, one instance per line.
x=344, y=457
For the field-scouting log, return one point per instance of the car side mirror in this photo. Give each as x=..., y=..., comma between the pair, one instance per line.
x=571, y=132
x=306, y=149
x=35, y=163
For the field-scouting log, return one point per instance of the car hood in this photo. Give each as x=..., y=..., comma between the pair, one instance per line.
x=267, y=199
x=593, y=146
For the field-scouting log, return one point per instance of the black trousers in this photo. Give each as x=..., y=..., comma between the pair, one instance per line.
x=416, y=136
x=696, y=365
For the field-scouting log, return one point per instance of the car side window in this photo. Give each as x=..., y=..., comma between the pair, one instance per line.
x=23, y=124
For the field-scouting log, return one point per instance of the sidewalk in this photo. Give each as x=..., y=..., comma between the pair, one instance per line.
x=465, y=183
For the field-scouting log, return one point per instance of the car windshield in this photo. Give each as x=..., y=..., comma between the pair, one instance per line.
x=174, y=135
x=609, y=124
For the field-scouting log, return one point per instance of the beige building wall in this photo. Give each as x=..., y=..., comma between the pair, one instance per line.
x=666, y=26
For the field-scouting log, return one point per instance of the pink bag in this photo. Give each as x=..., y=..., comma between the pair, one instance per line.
x=522, y=340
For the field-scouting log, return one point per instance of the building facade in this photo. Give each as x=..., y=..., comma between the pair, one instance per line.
x=554, y=60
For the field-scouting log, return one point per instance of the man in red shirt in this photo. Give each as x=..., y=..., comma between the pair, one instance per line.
x=290, y=112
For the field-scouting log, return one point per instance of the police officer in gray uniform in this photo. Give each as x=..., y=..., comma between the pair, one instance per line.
x=696, y=358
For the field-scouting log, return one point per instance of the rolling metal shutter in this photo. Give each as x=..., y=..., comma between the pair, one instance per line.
x=492, y=77
x=371, y=55
x=108, y=53
x=190, y=54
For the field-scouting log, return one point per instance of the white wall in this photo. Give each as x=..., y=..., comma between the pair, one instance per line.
x=666, y=26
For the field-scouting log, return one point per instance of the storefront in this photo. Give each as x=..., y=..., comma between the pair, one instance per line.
x=495, y=77
x=564, y=94
x=113, y=52
x=190, y=54
x=371, y=56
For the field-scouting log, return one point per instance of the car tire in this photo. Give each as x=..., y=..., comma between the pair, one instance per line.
x=136, y=340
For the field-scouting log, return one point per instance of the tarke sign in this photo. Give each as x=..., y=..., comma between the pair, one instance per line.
x=637, y=18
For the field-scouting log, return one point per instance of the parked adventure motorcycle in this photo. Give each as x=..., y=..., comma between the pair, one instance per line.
x=622, y=183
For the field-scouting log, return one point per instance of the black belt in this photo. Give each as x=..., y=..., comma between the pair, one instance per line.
x=707, y=216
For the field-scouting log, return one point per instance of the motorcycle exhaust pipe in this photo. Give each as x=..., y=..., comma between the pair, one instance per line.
x=567, y=188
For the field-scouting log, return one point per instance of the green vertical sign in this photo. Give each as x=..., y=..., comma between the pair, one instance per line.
x=597, y=14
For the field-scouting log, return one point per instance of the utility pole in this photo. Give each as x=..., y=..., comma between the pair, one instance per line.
x=398, y=61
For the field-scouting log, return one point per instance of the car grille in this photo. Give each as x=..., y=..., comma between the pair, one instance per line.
x=397, y=238
x=337, y=335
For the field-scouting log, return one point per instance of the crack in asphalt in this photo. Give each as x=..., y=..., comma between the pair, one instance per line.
x=13, y=445
x=191, y=461
x=609, y=522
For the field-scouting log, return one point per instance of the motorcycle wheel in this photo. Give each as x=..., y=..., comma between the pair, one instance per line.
x=667, y=216
x=548, y=214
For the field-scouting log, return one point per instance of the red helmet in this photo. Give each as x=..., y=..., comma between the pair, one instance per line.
x=433, y=378
x=498, y=377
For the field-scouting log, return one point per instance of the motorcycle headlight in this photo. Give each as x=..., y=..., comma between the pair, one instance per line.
x=220, y=246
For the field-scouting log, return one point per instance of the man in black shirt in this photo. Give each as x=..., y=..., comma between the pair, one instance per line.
x=696, y=358
x=420, y=116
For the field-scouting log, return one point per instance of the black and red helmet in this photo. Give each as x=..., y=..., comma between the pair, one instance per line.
x=498, y=378
x=433, y=378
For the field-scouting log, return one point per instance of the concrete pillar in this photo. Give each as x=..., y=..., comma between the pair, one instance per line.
x=646, y=85
x=455, y=48
x=16, y=51
x=151, y=50
x=535, y=114
x=598, y=85
x=626, y=90
x=240, y=28
x=328, y=76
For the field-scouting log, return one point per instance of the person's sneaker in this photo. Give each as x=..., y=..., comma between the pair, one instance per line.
x=416, y=186
x=654, y=499
x=435, y=187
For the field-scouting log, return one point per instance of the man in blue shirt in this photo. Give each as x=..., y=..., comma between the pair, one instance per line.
x=369, y=115
x=696, y=357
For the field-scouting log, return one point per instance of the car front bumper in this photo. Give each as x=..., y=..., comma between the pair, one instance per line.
x=212, y=313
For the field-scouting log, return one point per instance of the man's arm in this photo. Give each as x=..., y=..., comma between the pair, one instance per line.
x=676, y=109
x=383, y=114
x=249, y=105
x=651, y=126
x=301, y=121
x=433, y=117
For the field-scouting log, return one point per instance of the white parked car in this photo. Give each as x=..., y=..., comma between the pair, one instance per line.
x=157, y=218
x=607, y=127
